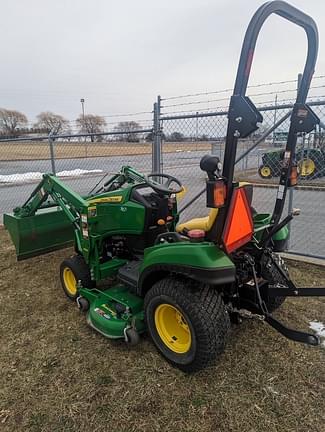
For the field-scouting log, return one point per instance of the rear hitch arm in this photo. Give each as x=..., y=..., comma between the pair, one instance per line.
x=295, y=335
x=290, y=290
x=274, y=291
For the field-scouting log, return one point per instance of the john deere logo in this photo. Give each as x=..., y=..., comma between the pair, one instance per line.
x=124, y=209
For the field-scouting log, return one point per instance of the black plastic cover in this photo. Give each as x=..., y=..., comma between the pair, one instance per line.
x=244, y=115
x=303, y=118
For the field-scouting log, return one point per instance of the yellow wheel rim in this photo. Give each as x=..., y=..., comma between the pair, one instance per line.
x=307, y=167
x=266, y=171
x=173, y=328
x=70, y=282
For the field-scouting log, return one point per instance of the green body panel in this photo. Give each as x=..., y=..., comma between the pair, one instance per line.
x=109, y=268
x=201, y=255
x=42, y=233
x=112, y=218
x=282, y=234
x=261, y=221
x=106, y=219
x=102, y=312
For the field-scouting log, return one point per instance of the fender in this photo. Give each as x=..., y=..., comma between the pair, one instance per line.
x=203, y=262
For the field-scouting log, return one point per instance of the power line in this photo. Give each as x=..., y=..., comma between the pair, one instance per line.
x=261, y=104
x=127, y=115
x=231, y=89
x=227, y=98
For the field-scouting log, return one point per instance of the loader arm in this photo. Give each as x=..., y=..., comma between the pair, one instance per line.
x=39, y=226
x=62, y=195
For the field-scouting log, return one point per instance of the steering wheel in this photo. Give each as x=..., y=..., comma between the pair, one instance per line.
x=165, y=186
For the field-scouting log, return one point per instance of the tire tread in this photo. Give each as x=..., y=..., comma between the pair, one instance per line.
x=208, y=315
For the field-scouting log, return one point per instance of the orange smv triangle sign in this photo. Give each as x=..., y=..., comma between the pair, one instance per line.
x=238, y=228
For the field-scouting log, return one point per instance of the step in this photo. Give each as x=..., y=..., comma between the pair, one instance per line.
x=129, y=273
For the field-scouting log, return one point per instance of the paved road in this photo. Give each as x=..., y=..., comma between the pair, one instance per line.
x=308, y=230
x=12, y=195
x=141, y=162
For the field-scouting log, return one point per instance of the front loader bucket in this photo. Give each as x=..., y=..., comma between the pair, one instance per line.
x=36, y=235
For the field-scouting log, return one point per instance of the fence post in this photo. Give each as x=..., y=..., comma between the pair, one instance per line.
x=51, y=144
x=156, y=142
x=274, y=117
x=291, y=190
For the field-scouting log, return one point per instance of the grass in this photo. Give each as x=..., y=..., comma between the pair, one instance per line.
x=59, y=375
x=40, y=150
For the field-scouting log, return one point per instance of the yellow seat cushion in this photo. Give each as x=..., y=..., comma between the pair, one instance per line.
x=203, y=223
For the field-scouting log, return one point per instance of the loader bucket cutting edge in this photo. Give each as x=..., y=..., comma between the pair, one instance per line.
x=39, y=234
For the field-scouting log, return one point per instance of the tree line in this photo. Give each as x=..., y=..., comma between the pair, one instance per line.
x=14, y=124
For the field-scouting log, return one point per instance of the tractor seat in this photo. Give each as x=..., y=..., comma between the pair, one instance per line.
x=205, y=223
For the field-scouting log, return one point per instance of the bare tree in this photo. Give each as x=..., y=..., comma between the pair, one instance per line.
x=11, y=121
x=91, y=123
x=51, y=123
x=129, y=127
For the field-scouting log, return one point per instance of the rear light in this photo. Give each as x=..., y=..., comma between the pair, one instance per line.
x=216, y=193
x=294, y=175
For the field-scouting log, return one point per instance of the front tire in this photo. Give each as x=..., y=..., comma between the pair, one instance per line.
x=72, y=270
x=187, y=322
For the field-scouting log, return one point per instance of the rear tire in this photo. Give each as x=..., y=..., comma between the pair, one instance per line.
x=72, y=270
x=307, y=168
x=187, y=322
x=265, y=172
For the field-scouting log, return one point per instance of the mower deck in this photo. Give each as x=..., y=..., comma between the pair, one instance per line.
x=113, y=311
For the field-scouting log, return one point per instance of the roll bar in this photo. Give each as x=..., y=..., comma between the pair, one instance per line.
x=243, y=116
x=292, y=14
x=240, y=105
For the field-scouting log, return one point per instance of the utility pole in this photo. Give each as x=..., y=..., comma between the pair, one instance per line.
x=82, y=100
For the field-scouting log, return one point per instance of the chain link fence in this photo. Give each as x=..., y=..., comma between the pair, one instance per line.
x=82, y=160
x=186, y=137
x=173, y=138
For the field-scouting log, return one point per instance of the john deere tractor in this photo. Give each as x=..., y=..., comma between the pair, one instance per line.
x=182, y=283
x=311, y=163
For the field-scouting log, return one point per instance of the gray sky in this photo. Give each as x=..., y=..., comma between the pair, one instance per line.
x=120, y=55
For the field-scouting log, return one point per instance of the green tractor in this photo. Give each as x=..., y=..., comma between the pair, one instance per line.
x=311, y=163
x=182, y=283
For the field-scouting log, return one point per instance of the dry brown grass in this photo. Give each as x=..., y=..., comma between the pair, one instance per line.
x=59, y=375
x=40, y=150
